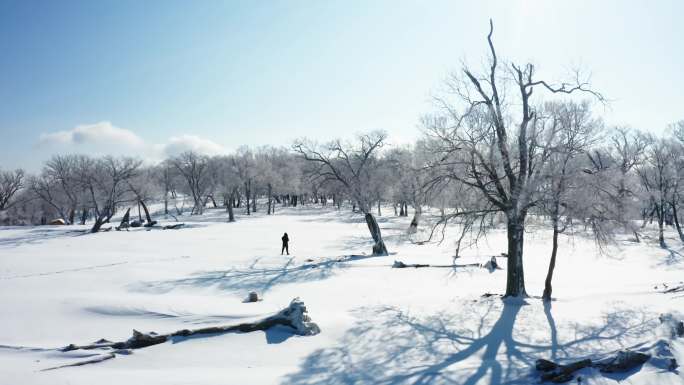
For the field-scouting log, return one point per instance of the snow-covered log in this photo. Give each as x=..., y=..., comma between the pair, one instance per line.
x=556, y=373
x=294, y=316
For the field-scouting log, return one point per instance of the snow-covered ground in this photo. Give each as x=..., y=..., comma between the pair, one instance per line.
x=379, y=325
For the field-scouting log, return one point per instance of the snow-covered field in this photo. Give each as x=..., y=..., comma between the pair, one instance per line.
x=379, y=325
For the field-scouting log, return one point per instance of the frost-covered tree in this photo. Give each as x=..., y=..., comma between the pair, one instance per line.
x=351, y=164
x=490, y=143
x=657, y=175
x=569, y=131
x=106, y=181
x=228, y=183
x=165, y=177
x=244, y=164
x=195, y=171
x=410, y=178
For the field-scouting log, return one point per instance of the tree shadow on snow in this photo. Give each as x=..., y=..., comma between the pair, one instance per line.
x=672, y=259
x=484, y=342
x=39, y=235
x=254, y=278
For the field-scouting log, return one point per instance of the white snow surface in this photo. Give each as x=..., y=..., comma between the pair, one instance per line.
x=379, y=325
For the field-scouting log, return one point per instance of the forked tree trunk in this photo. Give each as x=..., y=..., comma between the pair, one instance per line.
x=379, y=246
x=515, y=280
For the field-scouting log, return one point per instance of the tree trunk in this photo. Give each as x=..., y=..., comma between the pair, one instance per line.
x=270, y=199
x=548, y=288
x=379, y=212
x=72, y=214
x=166, y=204
x=254, y=202
x=247, y=196
x=676, y=220
x=84, y=215
x=99, y=221
x=661, y=218
x=379, y=246
x=515, y=279
x=413, y=227
x=231, y=202
x=147, y=213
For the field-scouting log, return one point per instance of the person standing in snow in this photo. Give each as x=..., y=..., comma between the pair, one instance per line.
x=286, y=240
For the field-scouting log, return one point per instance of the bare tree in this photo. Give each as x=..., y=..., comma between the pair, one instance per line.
x=10, y=183
x=570, y=131
x=194, y=168
x=165, y=177
x=657, y=176
x=228, y=183
x=244, y=164
x=494, y=144
x=106, y=181
x=352, y=166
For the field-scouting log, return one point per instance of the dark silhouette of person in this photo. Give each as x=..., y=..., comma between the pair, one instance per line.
x=286, y=240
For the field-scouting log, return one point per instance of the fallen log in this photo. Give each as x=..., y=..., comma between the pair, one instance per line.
x=622, y=361
x=556, y=373
x=402, y=265
x=294, y=316
x=675, y=289
x=174, y=226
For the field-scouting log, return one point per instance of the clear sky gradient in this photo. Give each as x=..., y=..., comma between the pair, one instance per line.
x=154, y=77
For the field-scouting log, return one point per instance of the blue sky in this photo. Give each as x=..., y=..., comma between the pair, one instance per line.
x=154, y=77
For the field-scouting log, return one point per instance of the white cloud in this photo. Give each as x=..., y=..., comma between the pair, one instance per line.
x=180, y=144
x=99, y=133
x=104, y=138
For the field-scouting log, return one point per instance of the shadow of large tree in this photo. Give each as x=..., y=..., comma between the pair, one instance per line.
x=253, y=277
x=483, y=342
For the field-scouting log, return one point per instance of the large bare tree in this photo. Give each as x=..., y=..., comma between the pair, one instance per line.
x=490, y=142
